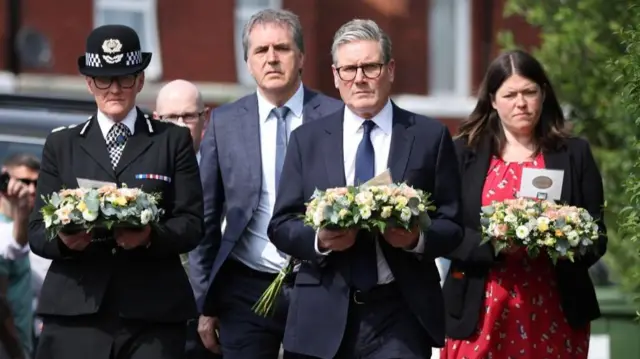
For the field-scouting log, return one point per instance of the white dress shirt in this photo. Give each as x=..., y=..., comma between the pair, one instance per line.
x=106, y=123
x=254, y=249
x=381, y=140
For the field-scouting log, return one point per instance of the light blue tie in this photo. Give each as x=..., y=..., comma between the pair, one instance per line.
x=281, y=140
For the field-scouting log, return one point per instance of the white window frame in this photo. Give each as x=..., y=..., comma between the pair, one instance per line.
x=149, y=9
x=462, y=47
x=243, y=12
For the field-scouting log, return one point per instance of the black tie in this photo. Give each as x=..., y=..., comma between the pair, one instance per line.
x=364, y=263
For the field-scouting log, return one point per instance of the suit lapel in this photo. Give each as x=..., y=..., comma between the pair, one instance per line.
x=136, y=144
x=334, y=151
x=247, y=125
x=401, y=143
x=310, y=106
x=93, y=143
x=560, y=160
x=475, y=168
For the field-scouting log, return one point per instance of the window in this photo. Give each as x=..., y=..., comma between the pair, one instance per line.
x=140, y=15
x=449, y=47
x=244, y=10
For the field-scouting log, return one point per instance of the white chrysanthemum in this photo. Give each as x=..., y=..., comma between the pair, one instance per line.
x=365, y=212
x=510, y=218
x=145, y=216
x=405, y=214
x=522, y=232
x=89, y=216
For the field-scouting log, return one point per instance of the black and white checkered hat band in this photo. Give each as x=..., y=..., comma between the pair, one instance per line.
x=92, y=60
x=132, y=58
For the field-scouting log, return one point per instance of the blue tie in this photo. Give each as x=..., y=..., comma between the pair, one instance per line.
x=281, y=140
x=364, y=263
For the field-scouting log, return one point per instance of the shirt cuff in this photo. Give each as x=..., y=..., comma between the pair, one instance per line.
x=419, y=248
x=315, y=246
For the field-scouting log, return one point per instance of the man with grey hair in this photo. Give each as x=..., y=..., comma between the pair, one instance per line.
x=241, y=160
x=359, y=295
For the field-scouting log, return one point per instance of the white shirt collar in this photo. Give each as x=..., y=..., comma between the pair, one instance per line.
x=384, y=120
x=294, y=104
x=106, y=123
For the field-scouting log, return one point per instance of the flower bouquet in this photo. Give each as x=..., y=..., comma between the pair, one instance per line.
x=88, y=209
x=369, y=207
x=560, y=231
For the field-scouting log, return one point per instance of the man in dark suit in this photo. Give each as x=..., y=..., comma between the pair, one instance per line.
x=241, y=159
x=355, y=295
x=125, y=294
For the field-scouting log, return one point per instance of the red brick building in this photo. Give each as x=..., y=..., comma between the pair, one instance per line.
x=441, y=47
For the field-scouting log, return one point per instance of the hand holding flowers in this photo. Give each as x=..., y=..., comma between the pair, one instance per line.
x=397, y=211
x=72, y=214
x=336, y=239
x=399, y=208
x=560, y=231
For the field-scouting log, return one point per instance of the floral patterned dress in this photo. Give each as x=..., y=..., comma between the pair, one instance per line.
x=521, y=315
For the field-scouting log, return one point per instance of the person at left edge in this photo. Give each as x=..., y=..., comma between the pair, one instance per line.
x=127, y=296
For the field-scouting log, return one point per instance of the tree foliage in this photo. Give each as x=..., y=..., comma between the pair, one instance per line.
x=629, y=76
x=584, y=50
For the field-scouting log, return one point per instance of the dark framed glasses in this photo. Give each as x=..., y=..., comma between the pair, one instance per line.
x=188, y=117
x=104, y=82
x=349, y=72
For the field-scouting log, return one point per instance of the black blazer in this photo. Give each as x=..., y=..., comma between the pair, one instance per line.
x=582, y=187
x=143, y=283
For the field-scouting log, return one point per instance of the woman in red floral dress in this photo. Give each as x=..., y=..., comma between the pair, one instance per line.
x=510, y=305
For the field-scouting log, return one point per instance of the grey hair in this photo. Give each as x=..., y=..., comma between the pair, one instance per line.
x=361, y=30
x=271, y=16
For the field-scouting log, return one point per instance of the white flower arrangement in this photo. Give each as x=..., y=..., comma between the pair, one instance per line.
x=105, y=207
x=561, y=231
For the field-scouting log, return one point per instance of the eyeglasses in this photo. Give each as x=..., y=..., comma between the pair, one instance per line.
x=104, y=82
x=371, y=71
x=28, y=181
x=188, y=117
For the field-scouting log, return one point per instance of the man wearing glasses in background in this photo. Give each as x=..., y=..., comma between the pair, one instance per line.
x=126, y=295
x=180, y=102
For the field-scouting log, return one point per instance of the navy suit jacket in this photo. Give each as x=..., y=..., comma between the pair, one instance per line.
x=231, y=174
x=421, y=154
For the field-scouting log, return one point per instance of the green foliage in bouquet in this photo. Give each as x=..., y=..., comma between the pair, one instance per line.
x=265, y=304
x=560, y=231
x=87, y=209
x=368, y=207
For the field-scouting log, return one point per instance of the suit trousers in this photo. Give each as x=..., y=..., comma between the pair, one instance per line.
x=243, y=333
x=105, y=335
x=380, y=325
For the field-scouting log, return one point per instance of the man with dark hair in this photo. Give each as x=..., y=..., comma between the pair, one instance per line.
x=20, y=174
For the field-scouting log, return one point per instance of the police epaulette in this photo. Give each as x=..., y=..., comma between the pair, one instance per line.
x=63, y=128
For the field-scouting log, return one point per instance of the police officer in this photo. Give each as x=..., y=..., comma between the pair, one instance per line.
x=126, y=294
